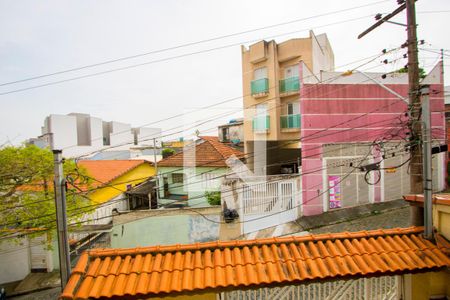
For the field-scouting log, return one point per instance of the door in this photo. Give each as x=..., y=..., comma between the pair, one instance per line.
x=291, y=71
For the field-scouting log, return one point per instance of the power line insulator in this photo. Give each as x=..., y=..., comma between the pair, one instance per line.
x=405, y=55
x=385, y=61
x=400, y=2
x=384, y=76
x=378, y=17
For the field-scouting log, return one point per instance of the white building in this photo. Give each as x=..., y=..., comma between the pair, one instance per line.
x=79, y=134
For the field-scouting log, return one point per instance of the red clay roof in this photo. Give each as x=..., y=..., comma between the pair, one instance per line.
x=443, y=199
x=209, y=153
x=212, y=266
x=106, y=171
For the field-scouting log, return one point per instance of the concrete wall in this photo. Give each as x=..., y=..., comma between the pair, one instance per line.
x=197, y=181
x=80, y=134
x=64, y=129
x=165, y=230
x=14, y=259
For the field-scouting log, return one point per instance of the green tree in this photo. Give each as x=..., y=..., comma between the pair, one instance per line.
x=167, y=152
x=422, y=73
x=213, y=198
x=26, y=190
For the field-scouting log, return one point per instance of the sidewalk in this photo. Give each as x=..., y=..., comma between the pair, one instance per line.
x=36, y=286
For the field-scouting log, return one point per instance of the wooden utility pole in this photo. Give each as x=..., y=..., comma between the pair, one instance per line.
x=416, y=178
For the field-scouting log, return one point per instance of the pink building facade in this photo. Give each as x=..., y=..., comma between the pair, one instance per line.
x=357, y=120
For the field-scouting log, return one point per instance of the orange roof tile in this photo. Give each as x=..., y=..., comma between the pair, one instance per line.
x=106, y=171
x=443, y=199
x=212, y=266
x=209, y=152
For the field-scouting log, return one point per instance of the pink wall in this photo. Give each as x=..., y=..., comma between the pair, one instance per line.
x=346, y=113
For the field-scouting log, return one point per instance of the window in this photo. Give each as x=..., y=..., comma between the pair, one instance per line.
x=260, y=73
x=293, y=108
x=291, y=71
x=261, y=109
x=225, y=136
x=177, y=177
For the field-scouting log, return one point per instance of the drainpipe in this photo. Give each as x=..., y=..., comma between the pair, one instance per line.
x=427, y=172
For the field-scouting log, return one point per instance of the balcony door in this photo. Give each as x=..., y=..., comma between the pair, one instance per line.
x=291, y=71
x=293, y=108
x=260, y=73
x=261, y=110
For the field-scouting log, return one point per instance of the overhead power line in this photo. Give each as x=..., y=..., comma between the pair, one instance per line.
x=191, y=43
x=172, y=57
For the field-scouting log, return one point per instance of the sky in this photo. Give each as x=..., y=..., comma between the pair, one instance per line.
x=43, y=37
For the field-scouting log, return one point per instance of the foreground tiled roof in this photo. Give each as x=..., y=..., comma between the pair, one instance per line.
x=443, y=199
x=105, y=171
x=209, y=152
x=213, y=266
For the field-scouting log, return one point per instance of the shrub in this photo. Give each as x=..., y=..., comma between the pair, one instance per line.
x=167, y=152
x=213, y=198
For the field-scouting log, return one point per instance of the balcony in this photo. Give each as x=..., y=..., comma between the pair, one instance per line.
x=289, y=86
x=260, y=87
x=290, y=122
x=261, y=123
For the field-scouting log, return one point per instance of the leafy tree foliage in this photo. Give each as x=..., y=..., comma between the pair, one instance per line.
x=213, y=198
x=26, y=190
x=422, y=73
x=167, y=152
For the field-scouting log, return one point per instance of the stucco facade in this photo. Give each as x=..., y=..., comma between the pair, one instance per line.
x=353, y=121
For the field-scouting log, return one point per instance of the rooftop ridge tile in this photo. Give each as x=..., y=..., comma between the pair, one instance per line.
x=241, y=243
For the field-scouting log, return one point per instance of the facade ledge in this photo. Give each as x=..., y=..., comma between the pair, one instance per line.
x=287, y=94
x=290, y=129
x=260, y=95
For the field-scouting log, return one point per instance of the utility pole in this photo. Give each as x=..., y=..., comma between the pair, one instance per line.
x=156, y=172
x=416, y=166
x=61, y=218
x=427, y=171
x=416, y=179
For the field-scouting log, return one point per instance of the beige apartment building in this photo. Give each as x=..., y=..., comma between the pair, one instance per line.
x=272, y=77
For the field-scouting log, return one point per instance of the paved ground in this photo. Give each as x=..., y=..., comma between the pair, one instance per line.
x=399, y=217
x=41, y=295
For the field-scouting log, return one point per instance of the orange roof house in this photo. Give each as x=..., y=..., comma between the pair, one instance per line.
x=110, y=178
x=187, y=175
x=209, y=152
x=200, y=268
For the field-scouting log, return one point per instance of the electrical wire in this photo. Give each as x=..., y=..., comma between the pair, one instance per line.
x=190, y=44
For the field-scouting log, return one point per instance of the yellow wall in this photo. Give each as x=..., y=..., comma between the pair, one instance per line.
x=119, y=185
x=426, y=285
x=441, y=219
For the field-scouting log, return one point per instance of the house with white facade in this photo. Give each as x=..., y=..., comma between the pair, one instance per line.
x=79, y=134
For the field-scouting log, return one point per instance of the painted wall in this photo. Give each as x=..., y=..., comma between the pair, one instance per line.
x=165, y=230
x=342, y=113
x=14, y=260
x=198, y=180
x=119, y=185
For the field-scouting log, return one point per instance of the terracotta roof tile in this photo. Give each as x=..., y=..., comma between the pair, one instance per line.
x=209, y=152
x=443, y=199
x=160, y=270
x=106, y=171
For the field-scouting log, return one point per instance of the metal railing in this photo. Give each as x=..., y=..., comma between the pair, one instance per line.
x=261, y=123
x=290, y=121
x=260, y=86
x=291, y=84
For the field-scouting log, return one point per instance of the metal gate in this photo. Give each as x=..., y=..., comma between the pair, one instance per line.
x=268, y=204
